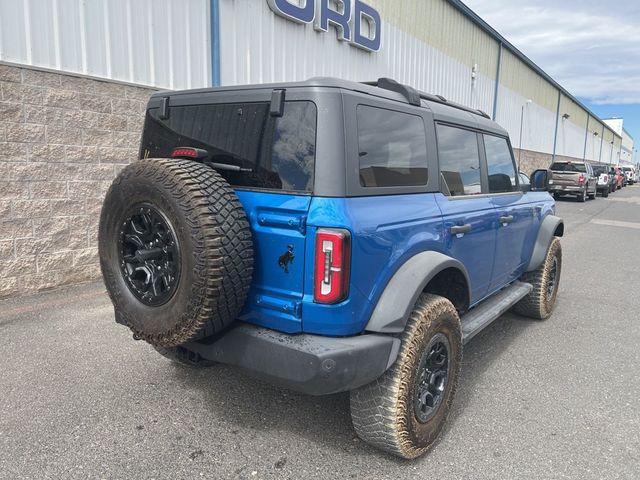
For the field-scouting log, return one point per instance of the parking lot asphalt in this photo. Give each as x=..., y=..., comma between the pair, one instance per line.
x=540, y=400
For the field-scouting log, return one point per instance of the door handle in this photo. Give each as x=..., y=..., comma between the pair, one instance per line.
x=461, y=229
x=506, y=219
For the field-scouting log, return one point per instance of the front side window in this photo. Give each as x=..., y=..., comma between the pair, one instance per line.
x=275, y=153
x=500, y=167
x=392, y=148
x=459, y=160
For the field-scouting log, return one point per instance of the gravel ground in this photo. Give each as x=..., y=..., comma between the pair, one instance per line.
x=557, y=399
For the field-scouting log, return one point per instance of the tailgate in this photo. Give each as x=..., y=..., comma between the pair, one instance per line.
x=566, y=178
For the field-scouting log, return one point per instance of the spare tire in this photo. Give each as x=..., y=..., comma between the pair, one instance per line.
x=175, y=251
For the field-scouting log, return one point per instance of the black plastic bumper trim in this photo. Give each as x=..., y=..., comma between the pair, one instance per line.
x=309, y=364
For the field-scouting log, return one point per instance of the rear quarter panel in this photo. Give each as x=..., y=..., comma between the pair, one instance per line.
x=385, y=232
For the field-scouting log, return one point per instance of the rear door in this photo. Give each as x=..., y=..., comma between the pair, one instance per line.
x=469, y=215
x=515, y=211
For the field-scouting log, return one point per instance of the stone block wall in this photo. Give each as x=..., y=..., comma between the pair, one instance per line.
x=531, y=161
x=63, y=139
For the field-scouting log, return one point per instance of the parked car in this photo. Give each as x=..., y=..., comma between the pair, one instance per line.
x=573, y=178
x=605, y=181
x=619, y=177
x=630, y=175
x=317, y=235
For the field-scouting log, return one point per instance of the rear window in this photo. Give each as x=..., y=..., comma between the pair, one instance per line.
x=600, y=170
x=276, y=153
x=568, y=167
x=392, y=148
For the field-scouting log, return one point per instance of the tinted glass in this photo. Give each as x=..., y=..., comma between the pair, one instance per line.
x=392, y=147
x=459, y=160
x=568, y=167
x=599, y=170
x=500, y=167
x=274, y=152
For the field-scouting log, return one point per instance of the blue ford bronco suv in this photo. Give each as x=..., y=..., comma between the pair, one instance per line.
x=328, y=236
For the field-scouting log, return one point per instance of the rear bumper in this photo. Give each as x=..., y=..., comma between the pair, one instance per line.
x=566, y=189
x=310, y=364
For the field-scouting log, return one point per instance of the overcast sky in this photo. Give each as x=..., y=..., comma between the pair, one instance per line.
x=590, y=47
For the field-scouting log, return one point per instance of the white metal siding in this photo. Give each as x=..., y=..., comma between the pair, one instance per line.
x=163, y=43
x=258, y=46
x=570, y=139
x=538, y=123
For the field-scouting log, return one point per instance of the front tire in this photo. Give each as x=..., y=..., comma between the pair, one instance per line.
x=404, y=410
x=545, y=279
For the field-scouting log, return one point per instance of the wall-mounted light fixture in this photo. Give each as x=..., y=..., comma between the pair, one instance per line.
x=566, y=116
x=595, y=134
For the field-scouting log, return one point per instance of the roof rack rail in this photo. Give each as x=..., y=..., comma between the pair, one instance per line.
x=413, y=96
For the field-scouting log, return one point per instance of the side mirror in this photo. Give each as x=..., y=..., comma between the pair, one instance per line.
x=540, y=181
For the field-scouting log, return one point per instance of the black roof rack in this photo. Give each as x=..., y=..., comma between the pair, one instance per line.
x=414, y=96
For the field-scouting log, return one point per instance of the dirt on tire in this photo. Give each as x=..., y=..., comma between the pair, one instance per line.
x=215, y=245
x=382, y=412
x=539, y=303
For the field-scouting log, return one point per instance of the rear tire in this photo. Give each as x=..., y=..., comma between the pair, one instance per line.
x=545, y=279
x=605, y=193
x=582, y=197
x=399, y=412
x=184, y=357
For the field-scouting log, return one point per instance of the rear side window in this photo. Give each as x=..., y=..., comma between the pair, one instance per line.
x=568, y=167
x=275, y=153
x=459, y=160
x=392, y=148
x=500, y=166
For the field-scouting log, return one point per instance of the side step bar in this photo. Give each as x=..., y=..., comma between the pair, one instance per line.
x=484, y=314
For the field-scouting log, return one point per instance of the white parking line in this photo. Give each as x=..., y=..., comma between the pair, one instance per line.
x=616, y=223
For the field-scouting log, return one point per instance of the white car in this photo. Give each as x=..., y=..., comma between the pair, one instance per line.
x=630, y=173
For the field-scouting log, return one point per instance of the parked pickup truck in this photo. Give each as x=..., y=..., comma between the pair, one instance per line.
x=573, y=178
x=328, y=236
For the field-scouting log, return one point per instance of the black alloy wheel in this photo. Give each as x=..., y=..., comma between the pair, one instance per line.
x=552, y=282
x=149, y=255
x=431, y=381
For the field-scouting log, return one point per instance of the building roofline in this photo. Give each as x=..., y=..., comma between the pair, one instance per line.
x=475, y=18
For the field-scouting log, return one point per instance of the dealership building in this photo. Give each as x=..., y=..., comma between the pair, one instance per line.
x=75, y=76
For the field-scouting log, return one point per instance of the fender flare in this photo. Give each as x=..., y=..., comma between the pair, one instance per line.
x=547, y=232
x=401, y=293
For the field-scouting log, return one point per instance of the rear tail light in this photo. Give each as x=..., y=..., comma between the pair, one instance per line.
x=581, y=179
x=332, y=265
x=189, y=152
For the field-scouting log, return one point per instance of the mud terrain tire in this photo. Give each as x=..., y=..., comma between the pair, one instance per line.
x=388, y=413
x=540, y=301
x=175, y=251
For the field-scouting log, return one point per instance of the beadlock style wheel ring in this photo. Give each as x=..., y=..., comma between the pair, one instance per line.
x=432, y=378
x=149, y=255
